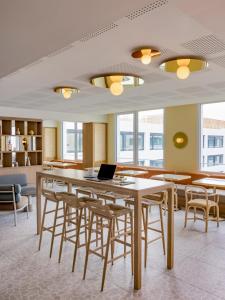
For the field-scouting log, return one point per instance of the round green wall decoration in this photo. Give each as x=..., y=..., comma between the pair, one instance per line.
x=180, y=140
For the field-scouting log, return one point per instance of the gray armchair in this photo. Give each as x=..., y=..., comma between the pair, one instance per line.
x=10, y=194
x=27, y=190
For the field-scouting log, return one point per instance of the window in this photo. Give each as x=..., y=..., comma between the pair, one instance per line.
x=214, y=160
x=72, y=141
x=156, y=141
x=215, y=141
x=212, y=136
x=125, y=138
x=150, y=123
x=133, y=143
x=127, y=141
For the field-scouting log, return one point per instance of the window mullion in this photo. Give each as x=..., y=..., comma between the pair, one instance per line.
x=136, y=138
x=75, y=141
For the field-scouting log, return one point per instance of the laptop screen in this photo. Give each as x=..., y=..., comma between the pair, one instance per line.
x=106, y=172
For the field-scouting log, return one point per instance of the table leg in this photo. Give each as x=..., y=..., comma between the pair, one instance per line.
x=38, y=202
x=69, y=187
x=170, y=229
x=137, y=242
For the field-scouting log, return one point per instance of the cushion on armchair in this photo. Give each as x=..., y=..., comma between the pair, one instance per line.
x=29, y=190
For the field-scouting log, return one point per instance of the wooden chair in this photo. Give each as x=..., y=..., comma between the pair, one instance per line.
x=108, y=215
x=75, y=212
x=147, y=202
x=198, y=197
x=50, y=197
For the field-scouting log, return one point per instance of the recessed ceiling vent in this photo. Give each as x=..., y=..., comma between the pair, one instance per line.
x=146, y=9
x=98, y=32
x=219, y=61
x=205, y=45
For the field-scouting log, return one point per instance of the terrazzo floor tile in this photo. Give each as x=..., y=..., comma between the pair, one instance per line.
x=26, y=273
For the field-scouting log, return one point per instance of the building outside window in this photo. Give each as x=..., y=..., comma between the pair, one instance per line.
x=212, y=137
x=158, y=163
x=140, y=138
x=72, y=140
x=156, y=141
x=215, y=141
x=126, y=141
x=141, y=141
x=215, y=160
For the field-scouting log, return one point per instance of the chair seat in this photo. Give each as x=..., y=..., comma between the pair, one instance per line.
x=110, y=211
x=144, y=203
x=50, y=195
x=201, y=203
x=153, y=199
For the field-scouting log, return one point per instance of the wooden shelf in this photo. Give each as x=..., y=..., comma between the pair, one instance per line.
x=28, y=129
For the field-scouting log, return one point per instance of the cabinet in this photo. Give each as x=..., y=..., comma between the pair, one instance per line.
x=20, y=142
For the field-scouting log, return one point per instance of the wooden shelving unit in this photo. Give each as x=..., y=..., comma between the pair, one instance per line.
x=20, y=142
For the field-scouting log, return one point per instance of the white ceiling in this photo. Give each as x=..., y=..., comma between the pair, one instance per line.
x=66, y=45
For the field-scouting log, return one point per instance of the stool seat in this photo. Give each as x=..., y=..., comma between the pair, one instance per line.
x=50, y=195
x=154, y=198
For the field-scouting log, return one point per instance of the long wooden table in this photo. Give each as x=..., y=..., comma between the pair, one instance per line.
x=138, y=188
x=215, y=183
x=176, y=178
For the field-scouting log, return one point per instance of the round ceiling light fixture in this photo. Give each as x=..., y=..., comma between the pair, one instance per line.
x=67, y=92
x=116, y=83
x=183, y=66
x=145, y=54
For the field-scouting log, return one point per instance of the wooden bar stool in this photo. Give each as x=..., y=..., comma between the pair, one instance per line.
x=147, y=202
x=50, y=196
x=108, y=215
x=75, y=214
x=84, y=191
x=111, y=198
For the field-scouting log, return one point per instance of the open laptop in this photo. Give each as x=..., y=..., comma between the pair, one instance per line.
x=106, y=172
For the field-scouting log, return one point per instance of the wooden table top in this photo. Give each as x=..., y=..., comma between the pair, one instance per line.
x=210, y=182
x=59, y=164
x=131, y=172
x=171, y=177
x=138, y=184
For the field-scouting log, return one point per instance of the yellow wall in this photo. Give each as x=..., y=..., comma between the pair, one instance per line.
x=111, y=138
x=186, y=119
x=178, y=118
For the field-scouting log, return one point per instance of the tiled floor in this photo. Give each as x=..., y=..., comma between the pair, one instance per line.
x=26, y=273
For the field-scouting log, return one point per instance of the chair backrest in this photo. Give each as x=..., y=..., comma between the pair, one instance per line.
x=196, y=192
x=14, y=179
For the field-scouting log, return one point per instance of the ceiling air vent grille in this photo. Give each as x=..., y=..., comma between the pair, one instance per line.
x=219, y=61
x=98, y=32
x=205, y=45
x=146, y=9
